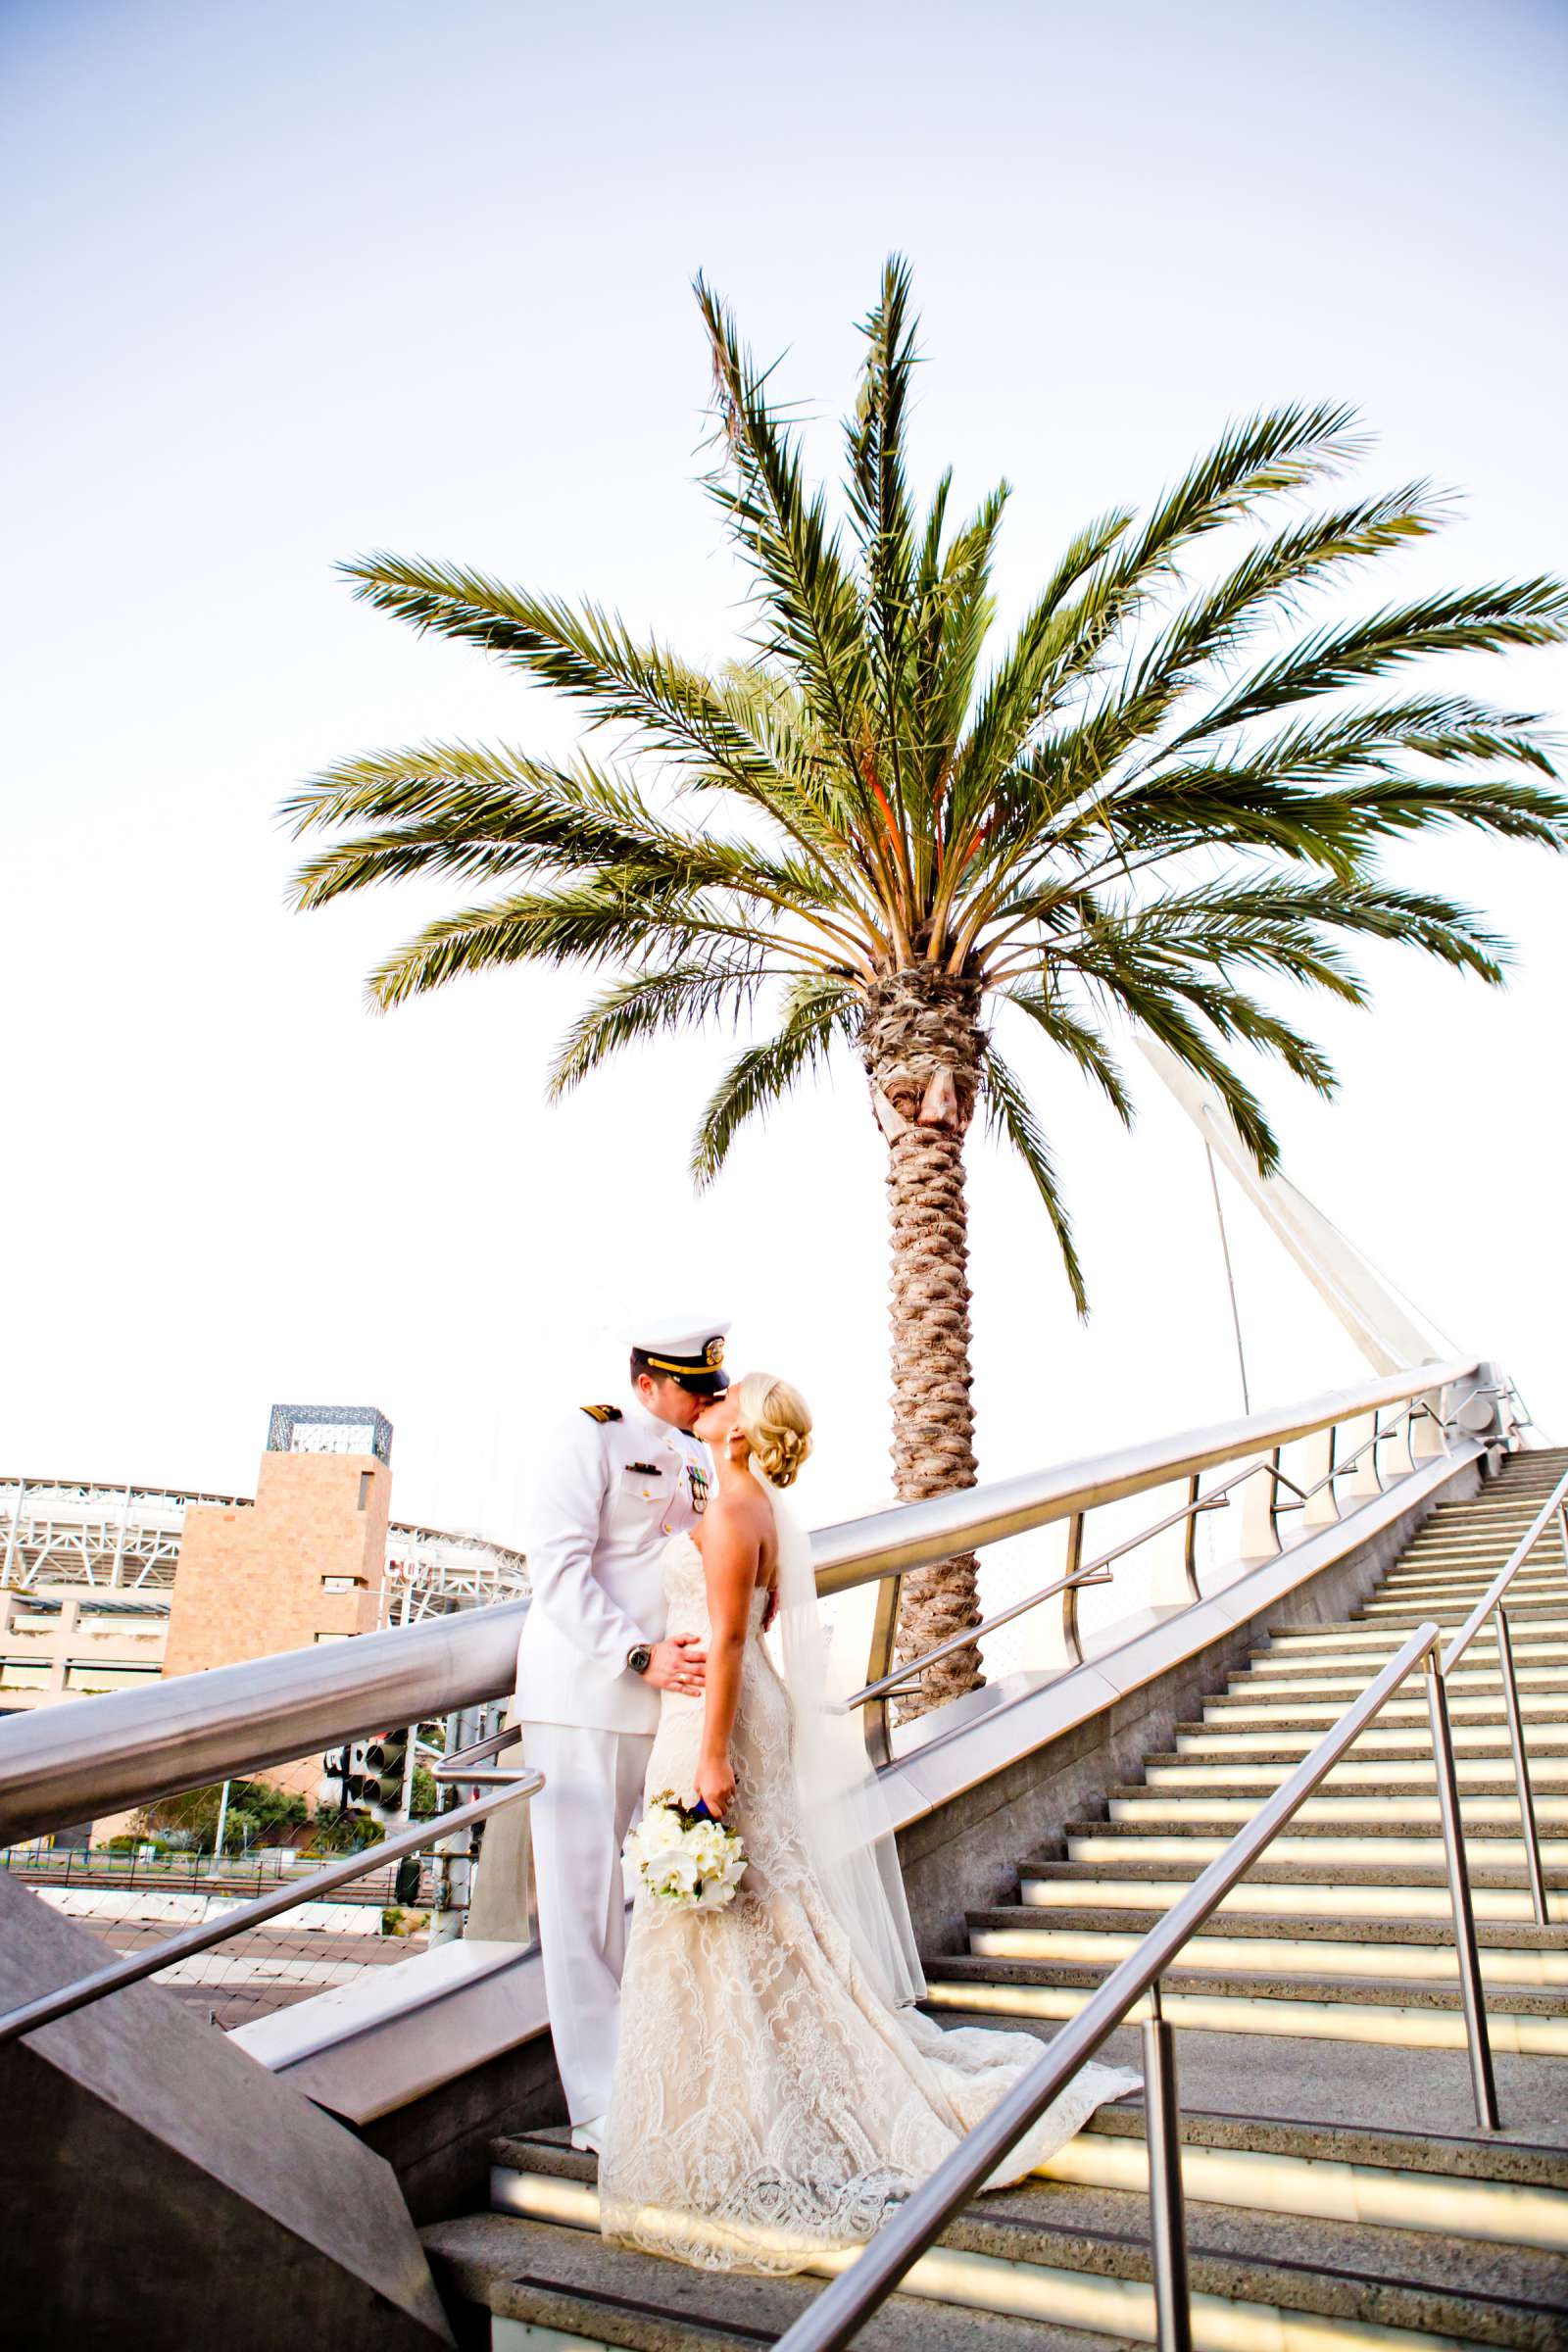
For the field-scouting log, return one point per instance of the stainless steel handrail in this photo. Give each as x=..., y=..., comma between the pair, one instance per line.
x=61, y=1765
x=1556, y=1500
x=464, y=1765
x=1096, y=1572
x=849, y=2300
x=135, y=1966
x=918, y=1534
x=1492, y=1601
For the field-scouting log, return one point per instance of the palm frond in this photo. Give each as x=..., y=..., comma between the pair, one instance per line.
x=477, y=811
x=587, y=654
x=1470, y=621
x=882, y=518
x=1009, y=1116
x=1257, y=457
x=816, y=1011
x=810, y=611
x=649, y=1004
x=1020, y=690
x=604, y=920
x=1077, y=1038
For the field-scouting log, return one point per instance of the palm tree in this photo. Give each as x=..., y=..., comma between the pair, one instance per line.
x=1154, y=805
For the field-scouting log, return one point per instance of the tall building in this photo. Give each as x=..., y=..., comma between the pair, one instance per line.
x=300, y=1564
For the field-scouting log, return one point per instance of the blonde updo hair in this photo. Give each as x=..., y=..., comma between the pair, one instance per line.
x=775, y=1421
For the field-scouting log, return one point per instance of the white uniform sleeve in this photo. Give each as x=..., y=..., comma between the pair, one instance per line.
x=568, y=1495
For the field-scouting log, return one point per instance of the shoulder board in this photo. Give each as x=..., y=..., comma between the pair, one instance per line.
x=602, y=1412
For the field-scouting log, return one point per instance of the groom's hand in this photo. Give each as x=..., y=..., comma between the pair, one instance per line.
x=677, y=1665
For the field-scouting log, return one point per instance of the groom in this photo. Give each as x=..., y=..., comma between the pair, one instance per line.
x=617, y=1483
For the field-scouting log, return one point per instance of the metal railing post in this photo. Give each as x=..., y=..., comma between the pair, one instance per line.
x=1194, y=1488
x=1260, y=1534
x=1429, y=1438
x=1466, y=1951
x=1069, y=1599
x=1521, y=1771
x=879, y=1665
x=1167, y=2214
x=1320, y=1505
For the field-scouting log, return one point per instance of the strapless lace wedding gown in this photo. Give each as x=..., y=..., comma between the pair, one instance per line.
x=768, y=2106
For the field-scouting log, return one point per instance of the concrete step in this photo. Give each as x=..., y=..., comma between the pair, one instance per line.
x=1289, y=1944
x=1388, y=1845
x=1501, y=1527
x=1324, y=1888
x=1496, y=1545
x=1369, y=1639
x=1373, y=1650
x=1544, y=1739
x=1397, y=2013
x=1071, y=2253
x=1542, y=1676
x=1252, y=1709
x=1388, y=1805
x=1363, y=1769
x=1468, y=1584
x=1473, y=2188
x=1509, y=1518
x=1543, y=1559
x=1528, y=1614
x=1362, y=1632
x=553, y=2287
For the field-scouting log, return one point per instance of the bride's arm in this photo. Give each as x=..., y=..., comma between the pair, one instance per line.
x=730, y=1564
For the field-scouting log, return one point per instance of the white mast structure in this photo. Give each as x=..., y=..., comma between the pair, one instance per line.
x=1389, y=1332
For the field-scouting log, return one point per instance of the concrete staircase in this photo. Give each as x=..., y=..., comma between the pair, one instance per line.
x=1340, y=2194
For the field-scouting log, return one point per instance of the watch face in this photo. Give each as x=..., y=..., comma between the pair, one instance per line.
x=641, y=1658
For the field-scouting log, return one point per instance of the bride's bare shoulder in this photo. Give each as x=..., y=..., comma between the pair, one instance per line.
x=734, y=1514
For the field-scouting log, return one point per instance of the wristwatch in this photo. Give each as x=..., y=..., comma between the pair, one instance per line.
x=639, y=1657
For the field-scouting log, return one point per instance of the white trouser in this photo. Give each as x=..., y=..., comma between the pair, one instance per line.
x=592, y=1792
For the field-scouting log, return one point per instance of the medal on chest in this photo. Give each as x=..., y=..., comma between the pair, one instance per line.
x=697, y=1481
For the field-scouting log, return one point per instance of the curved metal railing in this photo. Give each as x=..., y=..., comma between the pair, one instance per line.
x=844, y=2306
x=473, y=1766
x=1490, y=1603
x=65, y=1764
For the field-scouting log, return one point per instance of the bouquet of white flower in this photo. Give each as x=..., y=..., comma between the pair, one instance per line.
x=684, y=1856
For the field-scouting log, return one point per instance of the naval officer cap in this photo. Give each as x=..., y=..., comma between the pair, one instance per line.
x=688, y=1350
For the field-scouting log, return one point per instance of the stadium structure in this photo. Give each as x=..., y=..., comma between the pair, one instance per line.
x=88, y=1569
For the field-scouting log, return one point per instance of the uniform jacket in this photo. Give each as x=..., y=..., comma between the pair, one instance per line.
x=610, y=1496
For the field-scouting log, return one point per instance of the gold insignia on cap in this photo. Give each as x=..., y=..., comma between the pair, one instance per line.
x=714, y=1354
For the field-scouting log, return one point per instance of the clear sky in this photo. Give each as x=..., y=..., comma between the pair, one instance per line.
x=284, y=284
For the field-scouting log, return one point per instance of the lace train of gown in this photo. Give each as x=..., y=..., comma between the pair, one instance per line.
x=769, y=2107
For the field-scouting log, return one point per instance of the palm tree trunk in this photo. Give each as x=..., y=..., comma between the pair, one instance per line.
x=922, y=1044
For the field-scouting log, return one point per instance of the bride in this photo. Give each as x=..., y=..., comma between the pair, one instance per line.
x=775, y=2093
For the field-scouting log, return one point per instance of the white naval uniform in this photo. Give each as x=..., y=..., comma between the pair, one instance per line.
x=610, y=1496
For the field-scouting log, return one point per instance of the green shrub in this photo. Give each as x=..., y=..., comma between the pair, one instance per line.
x=347, y=1833
x=260, y=1813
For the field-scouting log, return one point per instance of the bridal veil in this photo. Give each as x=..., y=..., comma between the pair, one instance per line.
x=846, y=1822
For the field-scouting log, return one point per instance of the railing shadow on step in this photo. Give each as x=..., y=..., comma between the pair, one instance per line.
x=1132, y=1991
